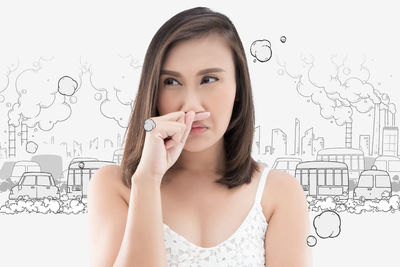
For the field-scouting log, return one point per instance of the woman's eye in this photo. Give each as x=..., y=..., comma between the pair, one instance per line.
x=167, y=81
x=170, y=81
x=205, y=78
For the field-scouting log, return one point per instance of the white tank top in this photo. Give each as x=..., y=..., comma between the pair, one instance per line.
x=245, y=247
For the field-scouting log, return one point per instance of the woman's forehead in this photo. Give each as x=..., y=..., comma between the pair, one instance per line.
x=192, y=56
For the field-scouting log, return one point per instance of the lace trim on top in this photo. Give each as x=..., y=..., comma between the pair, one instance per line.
x=245, y=246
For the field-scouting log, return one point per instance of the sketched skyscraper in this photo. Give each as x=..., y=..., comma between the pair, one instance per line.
x=296, y=150
x=376, y=130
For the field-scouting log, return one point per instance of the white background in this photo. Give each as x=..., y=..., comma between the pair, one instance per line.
x=96, y=29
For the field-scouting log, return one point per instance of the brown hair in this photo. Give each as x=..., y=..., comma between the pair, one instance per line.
x=238, y=138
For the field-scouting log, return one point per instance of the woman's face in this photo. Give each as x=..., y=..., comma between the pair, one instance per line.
x=185, y=85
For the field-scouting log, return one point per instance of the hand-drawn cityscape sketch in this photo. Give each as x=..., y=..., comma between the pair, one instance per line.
x=51, y=177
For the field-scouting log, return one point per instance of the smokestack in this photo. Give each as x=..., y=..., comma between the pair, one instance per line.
x=393, y=118
x=386, y=117
x=11, y=141
x=376, y=130
x=348, y=136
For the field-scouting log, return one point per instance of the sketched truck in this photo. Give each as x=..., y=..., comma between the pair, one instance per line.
x=322, y=179
x=23, y=166
x=35, y=185
x=391, y=164
x=373, y=184
x=79, y=174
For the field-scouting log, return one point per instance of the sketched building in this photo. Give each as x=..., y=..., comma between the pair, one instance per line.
x=256, y=141
x=390, y=141
x=279, y=141
x=307, y=142
x=364, y=144
x=297, y=137
x=376, y=130
x=318, y=144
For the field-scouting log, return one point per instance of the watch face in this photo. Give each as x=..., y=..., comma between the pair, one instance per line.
x=149, y=125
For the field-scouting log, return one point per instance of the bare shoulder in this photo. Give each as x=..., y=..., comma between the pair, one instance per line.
x=278, y=188
x=290, y=206
x=108, y=178
x=107, y=215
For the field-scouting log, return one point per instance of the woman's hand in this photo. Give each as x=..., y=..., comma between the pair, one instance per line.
x=165, y=142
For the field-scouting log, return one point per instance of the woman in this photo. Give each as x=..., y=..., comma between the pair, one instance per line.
x=185, y=196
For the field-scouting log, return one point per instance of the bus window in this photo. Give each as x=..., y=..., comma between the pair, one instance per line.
x=325, y=158
x=338, y=177
x=321, y=177
x=366, y=181
x=354, y=163
x=361, y=162
x=347, y=160
x=382, y=181
x=394, y=166
x=332, y=158
x=304, y=177
x=77, y=177
x=345, y=177
x=329, y=177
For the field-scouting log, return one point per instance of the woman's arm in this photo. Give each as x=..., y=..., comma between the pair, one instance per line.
x=122, y=235
x=289, y=226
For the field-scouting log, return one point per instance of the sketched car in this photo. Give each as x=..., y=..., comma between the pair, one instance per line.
x=372, y=185
x=36, y=185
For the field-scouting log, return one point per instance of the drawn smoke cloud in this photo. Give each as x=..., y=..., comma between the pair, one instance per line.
x=311, y=241
x=45, y=206
x=356, y=206
x=261, y=50
x=39, y=103
x=31, y=147
x=114, y=86
x=339, y=87
x=327, y=224
x=67, y=86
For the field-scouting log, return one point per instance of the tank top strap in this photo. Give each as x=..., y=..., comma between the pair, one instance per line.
x=261, y=184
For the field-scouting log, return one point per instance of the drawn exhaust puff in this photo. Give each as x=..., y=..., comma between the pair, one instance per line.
x=338, y=87
x=39, y=103
x=45, y=206
x=355, y=206
x=311, y=241
x=116, y=87
x=67, y=86
x=327, y=224
x=261, y=50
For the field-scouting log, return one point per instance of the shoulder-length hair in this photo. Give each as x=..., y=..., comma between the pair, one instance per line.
x=238, y=138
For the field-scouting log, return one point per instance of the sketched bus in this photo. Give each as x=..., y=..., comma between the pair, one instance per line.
x=354, y=159
x=322, y=179
x=79, y=174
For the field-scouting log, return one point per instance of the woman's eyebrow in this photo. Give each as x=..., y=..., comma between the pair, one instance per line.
x=202, y=72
